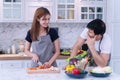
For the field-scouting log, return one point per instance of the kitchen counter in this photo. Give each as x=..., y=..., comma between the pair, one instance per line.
x=21, y=57
x=14, y=57
x=21, y=74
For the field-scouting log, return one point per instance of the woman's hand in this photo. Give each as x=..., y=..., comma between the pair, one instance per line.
x=47, y=65
x=35, y=57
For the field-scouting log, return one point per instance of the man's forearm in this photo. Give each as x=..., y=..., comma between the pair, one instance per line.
x=77, y=46
x=74, y=52
x=99, y=60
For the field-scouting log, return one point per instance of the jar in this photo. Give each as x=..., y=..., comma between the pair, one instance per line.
x=13, y=49
x=8, y=51
x=21, y=47
x=1, y=50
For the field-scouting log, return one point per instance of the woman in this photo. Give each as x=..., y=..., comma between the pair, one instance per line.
x=43, y=40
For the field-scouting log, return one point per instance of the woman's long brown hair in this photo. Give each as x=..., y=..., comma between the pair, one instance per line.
x=35, y=24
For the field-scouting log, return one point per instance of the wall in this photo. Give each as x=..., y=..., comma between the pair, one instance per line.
x=113, y=22
x=68, y=33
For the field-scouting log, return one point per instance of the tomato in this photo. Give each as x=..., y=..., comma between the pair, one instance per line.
x=41, y=67
x=80, y=51
x=75, y=71
x=32, y=68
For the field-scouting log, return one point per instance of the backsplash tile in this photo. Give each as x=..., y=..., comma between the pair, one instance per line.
x=68, y=33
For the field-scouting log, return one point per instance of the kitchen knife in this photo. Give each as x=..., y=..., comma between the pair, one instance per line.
x=39, y=63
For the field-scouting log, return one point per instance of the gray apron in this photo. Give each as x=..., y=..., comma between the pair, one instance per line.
x=91, y=59
x=44, y=48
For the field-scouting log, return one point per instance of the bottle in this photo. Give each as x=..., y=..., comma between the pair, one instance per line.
x=13, y=49
x=1, y=50
x=8, y=51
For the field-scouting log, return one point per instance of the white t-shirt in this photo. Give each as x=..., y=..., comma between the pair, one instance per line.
x=105, y=45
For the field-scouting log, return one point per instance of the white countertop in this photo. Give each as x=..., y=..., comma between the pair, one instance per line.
x=21, y=74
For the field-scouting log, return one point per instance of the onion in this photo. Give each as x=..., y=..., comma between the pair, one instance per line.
x=72, y=61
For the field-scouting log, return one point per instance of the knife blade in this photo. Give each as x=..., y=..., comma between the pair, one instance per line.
x=39, y=63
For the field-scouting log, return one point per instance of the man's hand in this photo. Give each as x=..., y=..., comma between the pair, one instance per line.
x=90, y=41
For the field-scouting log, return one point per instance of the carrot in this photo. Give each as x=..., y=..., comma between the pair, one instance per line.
x=32, y=68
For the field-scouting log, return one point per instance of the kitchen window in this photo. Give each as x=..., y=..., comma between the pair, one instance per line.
x=92, y=9
x=91, y=12
x=12, y=9
x=66, y=9
x=91, y=0
x=39, y=0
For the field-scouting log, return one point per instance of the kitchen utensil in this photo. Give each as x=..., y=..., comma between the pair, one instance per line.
x=46, y=70
x=1, y=50
x=39, y=63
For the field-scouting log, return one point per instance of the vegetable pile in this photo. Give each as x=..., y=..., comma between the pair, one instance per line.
x=77, y=64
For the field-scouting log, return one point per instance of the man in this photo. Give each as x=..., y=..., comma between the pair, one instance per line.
x=98, y=42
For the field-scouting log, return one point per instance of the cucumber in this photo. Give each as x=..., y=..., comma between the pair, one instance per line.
x=65, y=52
x=80, y=56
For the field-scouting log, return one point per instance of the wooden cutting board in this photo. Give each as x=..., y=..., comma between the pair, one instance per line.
x=40, y=71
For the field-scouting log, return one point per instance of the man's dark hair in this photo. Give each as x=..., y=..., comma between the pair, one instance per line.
x=98, y=26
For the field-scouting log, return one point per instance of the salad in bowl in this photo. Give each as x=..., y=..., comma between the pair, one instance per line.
x=101, y=71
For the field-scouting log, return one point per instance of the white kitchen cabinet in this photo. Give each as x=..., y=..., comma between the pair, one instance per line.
x=22, y=10
x=31, y=6
x=65, y=10
x=61, y=63
x=91, y=9
x=14, y=64
x=115, y=55
x=18, y=64
x=27, y=63
x=113, y=23
x=115, y=63
x=61, y=10
x=80, y=10
x=11, y=10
